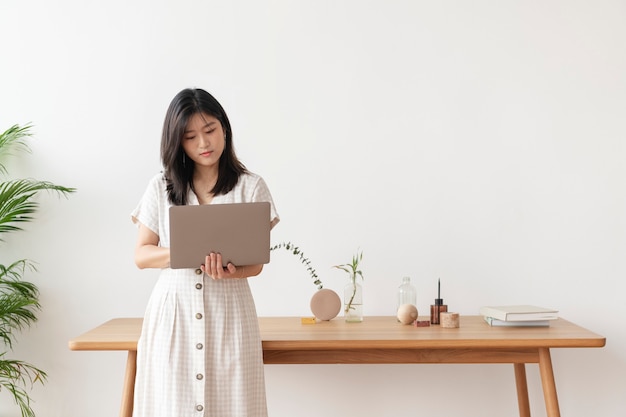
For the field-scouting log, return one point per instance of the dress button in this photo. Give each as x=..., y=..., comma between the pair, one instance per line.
x=199, y=407
x=199, y=346
x=199, y=376
x=198, y=316
x=198, y=271
x=198, y=286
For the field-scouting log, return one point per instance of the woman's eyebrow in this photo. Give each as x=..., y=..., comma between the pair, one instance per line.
x=209, y=124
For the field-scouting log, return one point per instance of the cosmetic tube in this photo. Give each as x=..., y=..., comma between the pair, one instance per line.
x=436, y=309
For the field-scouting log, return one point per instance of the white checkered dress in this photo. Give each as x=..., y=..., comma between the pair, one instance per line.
x=200, y=351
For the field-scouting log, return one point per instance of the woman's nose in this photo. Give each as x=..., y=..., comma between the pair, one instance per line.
x=204, y=140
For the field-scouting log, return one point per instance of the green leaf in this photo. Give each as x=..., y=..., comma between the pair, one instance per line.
x=16, y=205
x=12, y=141
x=15, y=377
x=353, y=267
x=19, y=299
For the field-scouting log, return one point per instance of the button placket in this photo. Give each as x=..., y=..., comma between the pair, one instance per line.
x=198, y=336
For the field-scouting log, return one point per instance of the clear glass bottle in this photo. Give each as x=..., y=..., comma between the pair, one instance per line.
x=353, y=301
x=407, y=294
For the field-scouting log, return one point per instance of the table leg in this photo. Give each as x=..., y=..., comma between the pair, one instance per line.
x=522, y=389
x=128, y=392
x=547, y=380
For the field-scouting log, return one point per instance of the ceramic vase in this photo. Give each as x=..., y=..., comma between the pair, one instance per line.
x=325, y=304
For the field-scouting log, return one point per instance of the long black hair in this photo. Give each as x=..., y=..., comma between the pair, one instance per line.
x=178, y=169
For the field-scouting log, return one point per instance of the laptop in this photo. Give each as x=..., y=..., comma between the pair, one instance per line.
x=239, y=231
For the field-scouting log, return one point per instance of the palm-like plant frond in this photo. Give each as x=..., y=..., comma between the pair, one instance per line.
x=19, y=299
x=11, y=140
x=16, y=201
x=14, y=376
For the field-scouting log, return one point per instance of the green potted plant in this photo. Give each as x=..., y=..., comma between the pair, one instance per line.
x=353, y=293
x=19, y=299
x=325, y=303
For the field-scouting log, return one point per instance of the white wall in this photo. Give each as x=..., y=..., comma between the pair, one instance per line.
x=479, y=142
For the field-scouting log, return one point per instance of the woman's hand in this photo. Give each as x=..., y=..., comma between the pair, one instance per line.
x=213, y=268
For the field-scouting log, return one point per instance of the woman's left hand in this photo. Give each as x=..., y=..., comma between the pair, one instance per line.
x=213, y=267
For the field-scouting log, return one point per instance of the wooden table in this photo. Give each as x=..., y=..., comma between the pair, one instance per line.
x=381, y=340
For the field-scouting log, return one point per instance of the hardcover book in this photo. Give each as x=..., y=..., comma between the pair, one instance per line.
x=519, y=313
x=525, y=323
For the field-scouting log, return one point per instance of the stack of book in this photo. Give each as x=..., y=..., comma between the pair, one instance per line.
x=518, y=315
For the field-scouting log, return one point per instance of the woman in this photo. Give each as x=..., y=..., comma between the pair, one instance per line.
x=200, y=350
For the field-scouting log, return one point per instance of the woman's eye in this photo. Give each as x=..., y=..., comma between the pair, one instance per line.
x=189, y=137
x=208, y=132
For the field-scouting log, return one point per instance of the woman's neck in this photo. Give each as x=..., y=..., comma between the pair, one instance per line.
x=203, y=183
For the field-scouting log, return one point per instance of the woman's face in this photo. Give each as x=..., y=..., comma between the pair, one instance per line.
x=204, y=140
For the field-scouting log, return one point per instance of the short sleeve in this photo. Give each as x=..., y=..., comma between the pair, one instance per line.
x=147, y=211
x=262, y=193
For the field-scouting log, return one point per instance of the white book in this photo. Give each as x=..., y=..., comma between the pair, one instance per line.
x=526, y=323
x=519, y=313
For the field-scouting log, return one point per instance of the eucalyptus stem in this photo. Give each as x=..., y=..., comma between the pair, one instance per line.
x=303, y=259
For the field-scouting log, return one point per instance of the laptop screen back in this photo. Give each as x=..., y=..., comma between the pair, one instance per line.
x=240, y=232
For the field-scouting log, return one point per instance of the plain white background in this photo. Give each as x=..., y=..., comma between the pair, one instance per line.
x=482, y=143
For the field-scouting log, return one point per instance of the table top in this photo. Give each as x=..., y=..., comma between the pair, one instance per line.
x=288, y=333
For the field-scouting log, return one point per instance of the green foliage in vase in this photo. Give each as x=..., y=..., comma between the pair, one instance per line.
x=353, y=270
x=303, y=259
x=19, y=299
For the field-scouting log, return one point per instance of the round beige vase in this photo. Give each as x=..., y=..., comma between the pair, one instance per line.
x=325, y=304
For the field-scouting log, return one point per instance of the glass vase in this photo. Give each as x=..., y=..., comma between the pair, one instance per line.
x=353, y=301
